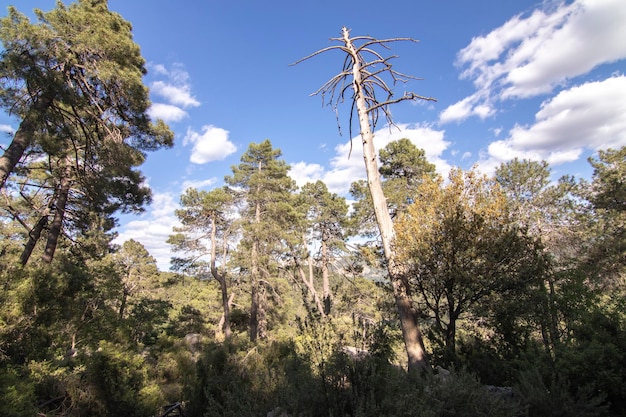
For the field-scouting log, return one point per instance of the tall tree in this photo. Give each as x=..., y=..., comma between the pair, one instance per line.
x=403, y=167
x=206, y=218
x=264, y=190
x=553, y=213
x=366, y=79
x=77, y=66
x=75, y=79
x=326, y=213
x=463, y=248
x=607, y=194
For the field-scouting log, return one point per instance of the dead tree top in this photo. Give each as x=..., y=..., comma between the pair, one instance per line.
x=377, y=77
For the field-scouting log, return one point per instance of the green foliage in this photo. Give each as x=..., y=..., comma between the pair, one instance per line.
x=237, y=379
x=596, y=358
x=147, y=319
x=554, y=397
x=120, y=379
x=74, y=78
x=520, y=279
x=17, y=392
x=464, y=254
x=188, y=320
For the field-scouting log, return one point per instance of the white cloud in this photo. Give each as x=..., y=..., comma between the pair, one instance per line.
x=591, y=33
x=198, y=184
x=531, y=55
x=6, y=129
x=347, y=165
x=474, y=105
x=590, y=116
x=212, y=144
x=153, y=230
x=176, y=92
x=302, y=172
x=178, y=95
x=166, y=112
x=158, y=68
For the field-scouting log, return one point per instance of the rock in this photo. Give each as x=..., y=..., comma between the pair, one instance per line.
x=502, y=392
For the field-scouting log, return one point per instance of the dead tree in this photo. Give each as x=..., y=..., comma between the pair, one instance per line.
x=367, y=80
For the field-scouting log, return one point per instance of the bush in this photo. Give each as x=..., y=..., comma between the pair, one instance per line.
x=17, y=392
x=551, y=396
x=119, y=377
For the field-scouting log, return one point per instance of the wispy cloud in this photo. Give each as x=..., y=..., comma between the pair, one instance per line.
x=347, y=165
x=198, y=184
x=175, y=94
x=175, y=90
x=211, y=144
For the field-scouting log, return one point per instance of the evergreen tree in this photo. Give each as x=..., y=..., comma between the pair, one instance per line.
x=207, y=227
x=75, y=79
x=264, y=187
x=77, y=67
x=326, y=215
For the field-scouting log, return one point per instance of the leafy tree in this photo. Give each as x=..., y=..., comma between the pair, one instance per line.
x=549, y=211
x=264, y=188
x=206, y=218
x=366, y=79
x=463, y=248
x=402, y=168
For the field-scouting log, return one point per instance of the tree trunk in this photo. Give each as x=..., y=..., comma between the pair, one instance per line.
x=254, y=272
x=413, y=342
x=33, y=238
x=262, y=310
x=308, y=282
x=254, y=293
x=325, y=280
x=222, y=321
x=221, y=278
x=22, y=139
x=122, y=310
x=59, y=212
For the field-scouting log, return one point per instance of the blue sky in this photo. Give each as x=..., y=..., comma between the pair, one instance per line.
x=538, y=80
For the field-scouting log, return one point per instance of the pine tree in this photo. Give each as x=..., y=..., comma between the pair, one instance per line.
x=263, y=186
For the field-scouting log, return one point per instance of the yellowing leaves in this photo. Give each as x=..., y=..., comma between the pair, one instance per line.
x=469, y=201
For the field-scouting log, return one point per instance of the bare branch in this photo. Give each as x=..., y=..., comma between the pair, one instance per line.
x=330, y=48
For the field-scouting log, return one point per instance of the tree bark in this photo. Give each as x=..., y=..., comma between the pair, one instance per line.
x=33, y=238
x=59, y=212
x=22, y=139
x=254, y=272
x=221, y=278
x=325, y=279
x=122, y=309
x=412, y=335
x=308, y=282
